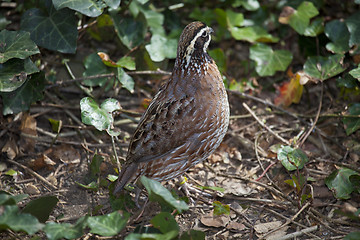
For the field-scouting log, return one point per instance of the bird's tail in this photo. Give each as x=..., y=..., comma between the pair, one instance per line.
x=124, y=177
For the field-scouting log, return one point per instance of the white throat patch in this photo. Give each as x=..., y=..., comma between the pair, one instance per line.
x=190, y=48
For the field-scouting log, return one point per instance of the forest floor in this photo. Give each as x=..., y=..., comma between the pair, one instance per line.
x=262, y=205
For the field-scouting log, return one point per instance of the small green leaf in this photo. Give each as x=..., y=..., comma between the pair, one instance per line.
x=338, y=33
x=21, y=99
x=315, y=28
x=108, y=225
x=51, y=29
x=165, y=222
x=125, y=79
x=16, y=44
x=300, y=19
x=338, y=182
x=55, y=231
x=355, y=73
x=252, y=34
x=7, y=199
x=86, y=7
x=269, y=61
x=14, y=73
x=91, y=186
x=323, y=68
x=352, y=124
x=96, y=116
x=353, y=24
x=157, y=193
x=11, y=172
x=219, y=189
x=16, y=221
x=160, y=48
x=41, y=207
x=234, y=19
x=152, y=236
x=292, y=158
x=110, y=105
x=220, y=208
x=55, y=125
x=126, y=62
x=250, y=5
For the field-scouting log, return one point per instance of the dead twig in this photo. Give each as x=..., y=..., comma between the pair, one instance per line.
x=264, y=125
x=302, y=141
x=35, y=174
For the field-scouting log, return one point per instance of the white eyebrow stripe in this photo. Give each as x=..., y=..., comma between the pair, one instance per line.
x=190, y=48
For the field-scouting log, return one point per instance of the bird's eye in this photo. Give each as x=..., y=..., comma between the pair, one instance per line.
x=204, y=34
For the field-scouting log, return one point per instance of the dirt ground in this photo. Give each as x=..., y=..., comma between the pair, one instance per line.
x=262, y=205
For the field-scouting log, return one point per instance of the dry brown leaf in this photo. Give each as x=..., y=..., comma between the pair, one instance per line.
x=31, y=189
x=28, y=127
x=215, y=221
x=262, y=228
x=11, y=149
x=235, y=226
x=66, y=154
x=285, y=14
x=41, y=162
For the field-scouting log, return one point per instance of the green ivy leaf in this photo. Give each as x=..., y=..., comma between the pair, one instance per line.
x=323, y=68
x=160, y=48
x=165, y=222
x=94, y=66
x=41, y=207
x=108, y=225
x=315, y=28
x=250, y=5
x=292, y=158
x=252, y=34
x=234, y=19
x=55, y=231
x=131, y=32
x=125, y=79
x=220, y=209
x=152, y=236
x=86, y=7
x=158, y=193
x=21, y=99
x=7, y=199
x=338, y=182
x=355, y=73
x=96, y=116
x=300, y=18
x=16, y=44
x=338, y=33
x=13, y=219
x=54, y=30
x=353, y=24
x=126, y=62
x=352, y=124
x=14, y=73
x=3, y=21
x=113, y=3
x=269, y=61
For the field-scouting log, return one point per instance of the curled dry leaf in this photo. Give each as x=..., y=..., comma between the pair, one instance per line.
x=66, y=154
x=41, y=162
x=31, y=189
x=285, y=14
x=28, y=130
x=215, y=221
x=11, y=149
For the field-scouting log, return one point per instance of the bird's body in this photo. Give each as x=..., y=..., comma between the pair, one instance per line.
x=187, y=119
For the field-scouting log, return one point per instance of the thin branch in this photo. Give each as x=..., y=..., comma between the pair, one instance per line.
x=265, y=126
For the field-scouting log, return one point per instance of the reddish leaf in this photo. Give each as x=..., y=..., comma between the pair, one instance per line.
x=290, y=92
